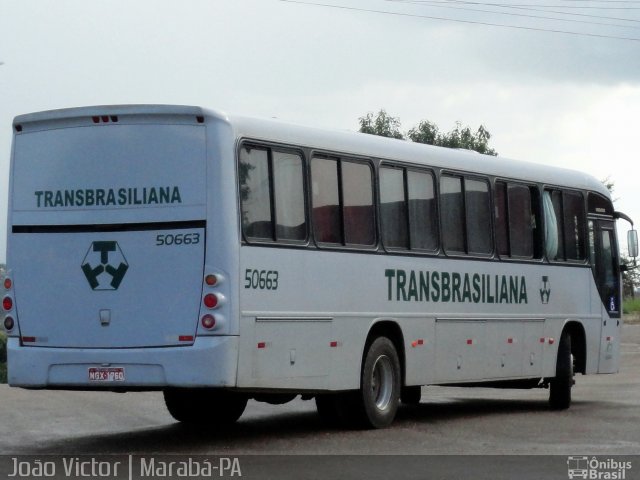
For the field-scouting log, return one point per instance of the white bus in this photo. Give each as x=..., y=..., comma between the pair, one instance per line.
x=219, y=259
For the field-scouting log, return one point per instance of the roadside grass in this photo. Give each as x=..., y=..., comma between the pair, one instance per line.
x=631, y=305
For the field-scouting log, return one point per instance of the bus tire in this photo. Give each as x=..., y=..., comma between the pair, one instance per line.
x=205, y=405
x=560, y=385
x=376, y=403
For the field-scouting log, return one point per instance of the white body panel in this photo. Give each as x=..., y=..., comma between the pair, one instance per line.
x=320, y=300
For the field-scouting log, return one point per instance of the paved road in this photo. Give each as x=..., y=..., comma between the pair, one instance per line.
x=603, y=420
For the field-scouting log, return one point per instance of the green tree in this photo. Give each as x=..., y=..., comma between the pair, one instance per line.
x=425, y=132
x=630, y=278
x=385, y=125
x=460, y=137
x=611, y=186
x=381, y=124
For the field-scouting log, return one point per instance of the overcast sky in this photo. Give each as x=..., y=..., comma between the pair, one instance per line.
x=570, y=99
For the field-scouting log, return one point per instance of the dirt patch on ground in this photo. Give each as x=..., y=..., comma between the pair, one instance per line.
x=632, y=318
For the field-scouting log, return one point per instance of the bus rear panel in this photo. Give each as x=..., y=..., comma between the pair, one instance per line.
x=107, y=249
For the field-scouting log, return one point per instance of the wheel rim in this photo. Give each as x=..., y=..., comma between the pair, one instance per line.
x=573, y=370
x=382, y=382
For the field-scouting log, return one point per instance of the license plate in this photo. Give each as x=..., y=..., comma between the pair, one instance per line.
x=104, y=374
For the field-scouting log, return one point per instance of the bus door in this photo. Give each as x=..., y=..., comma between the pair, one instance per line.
x=606, y=271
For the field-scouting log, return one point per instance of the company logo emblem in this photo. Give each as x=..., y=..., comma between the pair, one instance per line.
x=104, y=266
x=545, y=290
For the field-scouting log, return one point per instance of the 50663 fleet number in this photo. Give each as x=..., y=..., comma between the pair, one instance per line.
x=261, y=279
x=177, y=239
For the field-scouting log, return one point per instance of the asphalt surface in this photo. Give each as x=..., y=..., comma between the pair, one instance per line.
x=604, y=419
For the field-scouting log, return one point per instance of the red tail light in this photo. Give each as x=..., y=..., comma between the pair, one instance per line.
x=210, y=300
x=208, y=321
x=7, y=284
x=7, y=303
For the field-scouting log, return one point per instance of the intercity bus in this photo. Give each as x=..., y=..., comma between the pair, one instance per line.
x=220, y=259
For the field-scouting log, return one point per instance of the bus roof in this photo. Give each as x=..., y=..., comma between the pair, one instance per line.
x=99, y=110
x=373, y=146
x=350, y=143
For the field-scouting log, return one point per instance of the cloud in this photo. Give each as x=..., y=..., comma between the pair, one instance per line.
x=545, y=97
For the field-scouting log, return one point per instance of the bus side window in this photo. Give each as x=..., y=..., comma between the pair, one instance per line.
x=408, y=202
x=423, y=211
x=452, y=212
x=565, y=225
x=358, y=212
x=592, y=246
x=517, y=233
x=393, y=208
x=327, y=222
x=255, y=193
x=478, y=206
x=342, y=202
x=502, y=220
x=466, y=215
x=556, y=201
x=551, y=227
x=574, y=223
x=521, y=221
x=289, y=196
x=272, y=180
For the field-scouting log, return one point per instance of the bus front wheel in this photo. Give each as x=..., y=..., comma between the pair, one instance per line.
x=205, y=405
x=560, y=385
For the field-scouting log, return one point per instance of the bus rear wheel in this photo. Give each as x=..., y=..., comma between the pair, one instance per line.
x=560, y=386
x=376, y=403
x=205, y=405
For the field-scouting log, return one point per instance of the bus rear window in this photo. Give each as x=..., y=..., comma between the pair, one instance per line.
x=68, y=174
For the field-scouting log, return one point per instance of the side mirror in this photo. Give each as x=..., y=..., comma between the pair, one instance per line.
x=632, y=243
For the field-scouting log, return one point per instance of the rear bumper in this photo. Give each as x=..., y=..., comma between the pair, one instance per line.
x=209, y=362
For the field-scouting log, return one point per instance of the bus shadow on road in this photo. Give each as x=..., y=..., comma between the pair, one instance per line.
x=246, y=436
x=257, y=435
x=453, y=409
